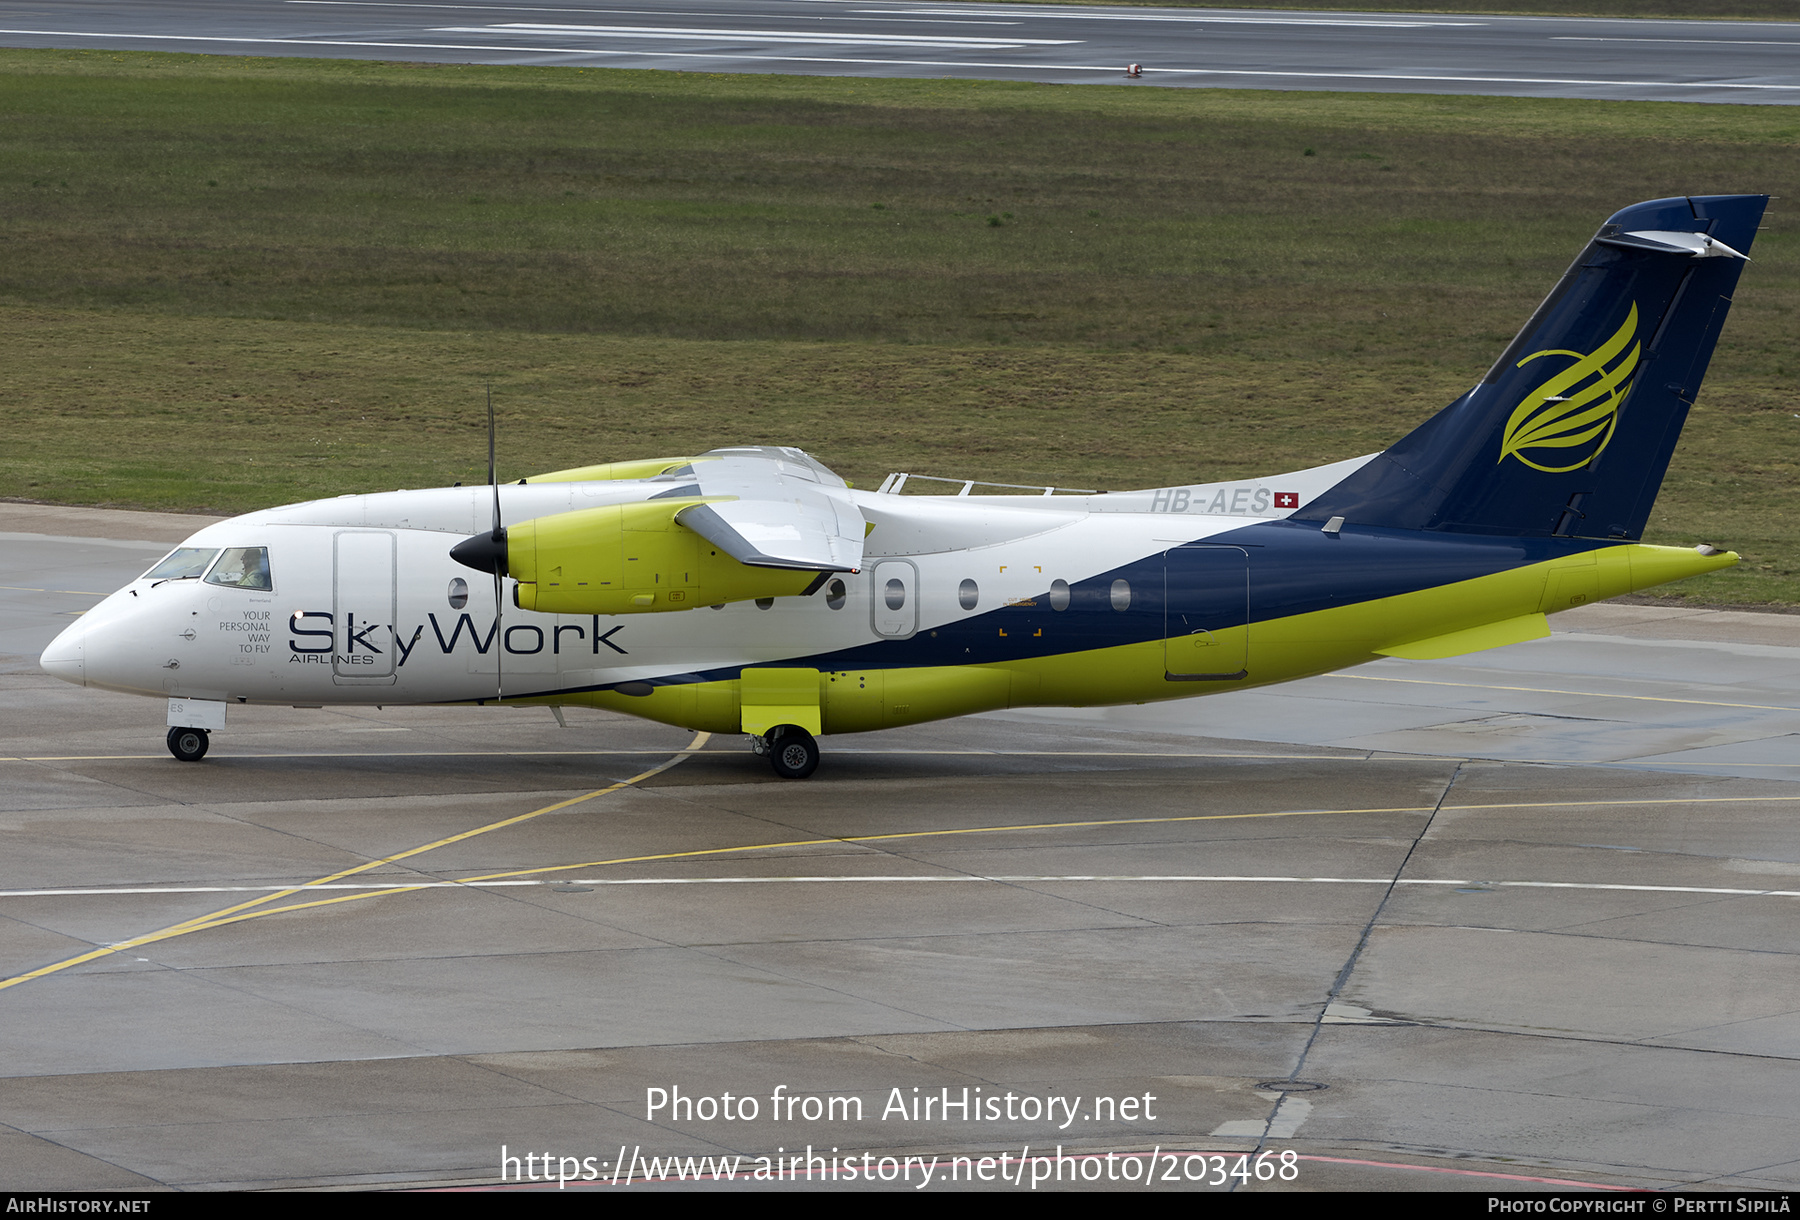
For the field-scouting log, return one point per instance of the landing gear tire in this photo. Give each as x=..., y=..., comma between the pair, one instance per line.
x=189, y=745
x=792, y=752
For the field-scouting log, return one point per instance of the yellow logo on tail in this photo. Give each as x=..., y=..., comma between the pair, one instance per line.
x=1559, y=415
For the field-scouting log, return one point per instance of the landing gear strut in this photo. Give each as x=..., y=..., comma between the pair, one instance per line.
x=189, y=745
x=791, y=751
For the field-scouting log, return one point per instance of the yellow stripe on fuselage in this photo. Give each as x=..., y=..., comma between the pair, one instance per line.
x=1280, y=650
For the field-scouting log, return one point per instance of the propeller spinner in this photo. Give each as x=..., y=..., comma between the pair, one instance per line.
x=483, y=552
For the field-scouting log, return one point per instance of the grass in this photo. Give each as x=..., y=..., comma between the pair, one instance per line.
x=226, y=283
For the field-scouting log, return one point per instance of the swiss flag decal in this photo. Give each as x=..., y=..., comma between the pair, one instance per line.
x=1287, y=499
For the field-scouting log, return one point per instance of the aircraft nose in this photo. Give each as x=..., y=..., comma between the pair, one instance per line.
x=66, y=657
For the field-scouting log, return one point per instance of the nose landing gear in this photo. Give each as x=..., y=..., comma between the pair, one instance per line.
x=189, y=745
x=790, y=749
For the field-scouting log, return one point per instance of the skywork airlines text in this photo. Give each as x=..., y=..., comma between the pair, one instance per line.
x=313, y=636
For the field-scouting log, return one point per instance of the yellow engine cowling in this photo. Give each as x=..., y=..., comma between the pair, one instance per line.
x=632, y=559
x=643, y=468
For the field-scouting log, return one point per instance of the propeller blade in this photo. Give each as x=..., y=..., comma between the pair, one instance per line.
x=495, y=554
x=493, y=477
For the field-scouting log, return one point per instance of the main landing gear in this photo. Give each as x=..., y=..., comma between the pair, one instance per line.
x=189, y=745
x=790, y=749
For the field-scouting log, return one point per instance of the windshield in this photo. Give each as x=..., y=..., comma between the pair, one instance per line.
x=242, y=567
x=184, y=563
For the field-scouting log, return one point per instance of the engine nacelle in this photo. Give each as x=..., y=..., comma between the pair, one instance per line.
x=644, y=468
x=633, y=559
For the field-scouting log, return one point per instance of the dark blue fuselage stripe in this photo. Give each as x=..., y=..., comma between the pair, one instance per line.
x=1293, y=568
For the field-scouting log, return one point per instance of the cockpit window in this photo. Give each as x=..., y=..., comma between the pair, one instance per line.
x=185, y=563
x=241, y=567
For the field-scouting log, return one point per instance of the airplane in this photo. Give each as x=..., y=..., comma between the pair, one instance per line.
x=752, y=590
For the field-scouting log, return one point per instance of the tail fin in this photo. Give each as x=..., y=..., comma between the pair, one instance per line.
x=1571, y=431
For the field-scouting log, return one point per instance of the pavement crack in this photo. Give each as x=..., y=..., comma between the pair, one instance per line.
x=1343, y=975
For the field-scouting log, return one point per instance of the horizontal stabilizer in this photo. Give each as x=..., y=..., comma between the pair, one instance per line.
x=1667, y=241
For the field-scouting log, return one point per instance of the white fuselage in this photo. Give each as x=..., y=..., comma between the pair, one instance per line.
x=365, y=604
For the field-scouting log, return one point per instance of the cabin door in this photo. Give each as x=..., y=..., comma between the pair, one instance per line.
x=362, y=607
x=1206, y=613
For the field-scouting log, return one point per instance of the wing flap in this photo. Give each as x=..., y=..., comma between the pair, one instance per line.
x=785, y=511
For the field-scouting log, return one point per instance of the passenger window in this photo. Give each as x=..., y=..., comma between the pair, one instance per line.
x=242, y=567
x=1121, y=595
x=1059, y=595
x=894, y=594
x=967, y=595
x=184, y=563
x=835, y=593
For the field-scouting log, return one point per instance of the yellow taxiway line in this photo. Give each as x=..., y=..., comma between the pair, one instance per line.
x=256, y=909
x=243, y=911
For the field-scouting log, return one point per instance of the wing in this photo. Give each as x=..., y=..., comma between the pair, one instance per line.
x=788, y=512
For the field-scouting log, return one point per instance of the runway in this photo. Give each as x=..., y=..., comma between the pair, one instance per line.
x=1502, y=922
x=1654, y=60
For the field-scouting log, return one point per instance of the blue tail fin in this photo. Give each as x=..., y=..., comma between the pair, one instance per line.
x=1571, y=430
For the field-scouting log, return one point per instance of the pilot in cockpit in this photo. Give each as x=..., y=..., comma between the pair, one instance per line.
x=242, y=567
